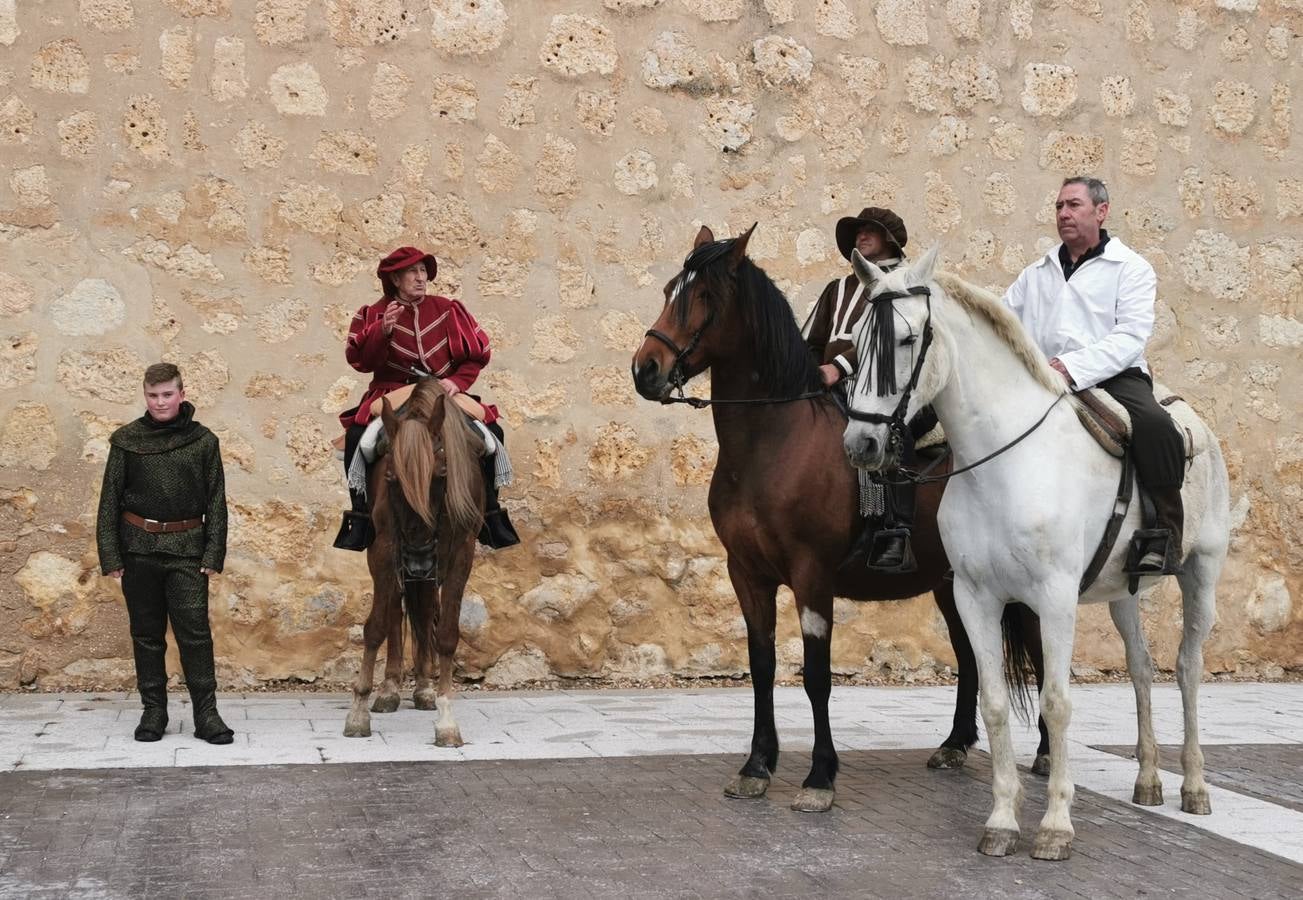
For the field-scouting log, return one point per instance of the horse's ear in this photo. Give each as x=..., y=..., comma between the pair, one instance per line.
x=865, y=269
x=704, y=236
x=921, y=271
x=739, y=249
x=387, y=416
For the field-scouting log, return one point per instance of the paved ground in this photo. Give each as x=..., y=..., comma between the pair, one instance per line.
x=566, y=793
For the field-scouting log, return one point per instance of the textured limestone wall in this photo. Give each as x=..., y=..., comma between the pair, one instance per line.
x=211, y=181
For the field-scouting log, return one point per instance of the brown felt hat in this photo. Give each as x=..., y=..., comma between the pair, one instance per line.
x=400, y=259
x=891, y=225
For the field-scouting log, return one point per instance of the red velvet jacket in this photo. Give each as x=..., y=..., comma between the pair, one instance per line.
x=437, y=335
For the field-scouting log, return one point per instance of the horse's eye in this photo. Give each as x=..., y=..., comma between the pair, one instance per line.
x=906, y=342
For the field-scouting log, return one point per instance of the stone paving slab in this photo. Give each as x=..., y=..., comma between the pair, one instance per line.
x=646, y=826
x=65, y=732
x=1268, y=772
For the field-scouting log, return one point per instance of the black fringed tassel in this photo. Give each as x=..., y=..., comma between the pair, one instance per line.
x=882, y=347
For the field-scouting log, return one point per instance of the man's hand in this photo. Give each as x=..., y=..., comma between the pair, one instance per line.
x=116, y=574
x=1062, y=370
x=449, y=386
x=207, y=571
x=391, y=317
x=830, y=374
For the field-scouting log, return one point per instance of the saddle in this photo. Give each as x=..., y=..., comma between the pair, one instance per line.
x=1108, y=422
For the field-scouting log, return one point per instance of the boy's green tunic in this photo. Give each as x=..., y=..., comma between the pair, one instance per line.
x=168, y=472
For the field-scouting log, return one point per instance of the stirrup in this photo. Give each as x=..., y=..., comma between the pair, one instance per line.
x=497, y=532
x=355, y=532
x=1147, y=543
x=881, y=539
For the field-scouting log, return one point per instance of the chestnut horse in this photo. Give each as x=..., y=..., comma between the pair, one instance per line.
x=784, y=500
x=427, y=506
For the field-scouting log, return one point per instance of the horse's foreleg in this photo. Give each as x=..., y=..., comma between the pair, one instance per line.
x=358, y=723
x=446, y=634
x=1058, y=615
x=1198, y=599
x=814, y=604
x=953, y=752
x=1126, y=616
x=981, y=612
x=758, y=601
x=387, y=700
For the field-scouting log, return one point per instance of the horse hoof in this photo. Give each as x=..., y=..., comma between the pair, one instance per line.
x=998, y=842
x=1196, y=803
x=386, y=703
x=1147, y=795
x=1042, y=765
x=1052, y=845
x=357, y=729
x=948, y=758
x=747, y=787
x=424, y=699
x=815, y=800
x=447, y=737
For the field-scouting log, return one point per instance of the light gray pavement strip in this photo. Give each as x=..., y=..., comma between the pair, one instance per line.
x=83, y=731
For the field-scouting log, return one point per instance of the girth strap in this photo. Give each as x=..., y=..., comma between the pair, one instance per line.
x=1111, y=530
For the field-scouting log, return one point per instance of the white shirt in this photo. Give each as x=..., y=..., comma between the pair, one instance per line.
x=1098, y=323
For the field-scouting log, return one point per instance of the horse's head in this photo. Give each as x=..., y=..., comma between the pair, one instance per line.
x=901, y=368
x=431, y=481
x=693, y=324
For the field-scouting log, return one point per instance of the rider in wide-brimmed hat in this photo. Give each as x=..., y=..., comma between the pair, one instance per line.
x=880, y=236
x=404, y=336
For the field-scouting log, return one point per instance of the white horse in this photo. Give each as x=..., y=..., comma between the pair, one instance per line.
x=1024, y=524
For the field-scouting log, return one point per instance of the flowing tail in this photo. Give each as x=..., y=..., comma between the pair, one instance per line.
x=1018, y=665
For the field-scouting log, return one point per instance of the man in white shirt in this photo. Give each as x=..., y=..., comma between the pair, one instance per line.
x=1089, y=305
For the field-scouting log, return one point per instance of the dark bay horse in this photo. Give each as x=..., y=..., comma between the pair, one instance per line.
x=427, y=506
x=783, y=498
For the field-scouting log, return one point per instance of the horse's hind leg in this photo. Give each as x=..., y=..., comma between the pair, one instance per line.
x=758, y=602
x=814, y=602
x=1028, y=627
x=1198, y=596
x=423, y=697
x=358, y=723
x=953, y=752
x=1126, y=616
x=387, y=700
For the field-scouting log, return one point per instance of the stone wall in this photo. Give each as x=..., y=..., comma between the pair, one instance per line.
x=212, y=181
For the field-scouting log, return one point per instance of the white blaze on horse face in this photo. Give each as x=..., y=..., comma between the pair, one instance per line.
x=813, y=625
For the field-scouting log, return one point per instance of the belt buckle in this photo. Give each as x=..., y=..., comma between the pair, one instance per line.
x=153, y=522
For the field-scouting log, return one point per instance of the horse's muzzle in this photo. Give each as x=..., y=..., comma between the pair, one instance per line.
x=650, y=381
x=417, y=563
x=864, y=449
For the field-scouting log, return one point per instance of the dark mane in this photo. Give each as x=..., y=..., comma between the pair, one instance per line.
x=785, y=365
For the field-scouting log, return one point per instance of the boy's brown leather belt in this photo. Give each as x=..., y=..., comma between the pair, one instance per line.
x=154, y=526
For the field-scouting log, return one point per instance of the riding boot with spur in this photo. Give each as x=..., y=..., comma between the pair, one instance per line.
x=1163, y=550
x=891, y=551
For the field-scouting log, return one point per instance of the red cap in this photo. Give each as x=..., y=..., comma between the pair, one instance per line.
x=401, y=259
